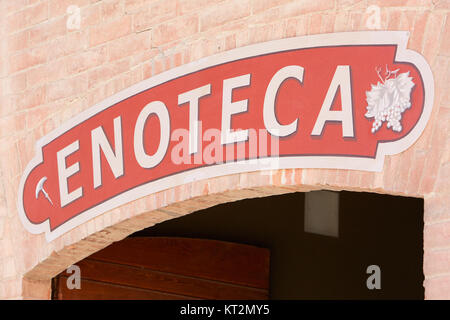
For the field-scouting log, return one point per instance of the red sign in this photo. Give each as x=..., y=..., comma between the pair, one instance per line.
x=328, y=101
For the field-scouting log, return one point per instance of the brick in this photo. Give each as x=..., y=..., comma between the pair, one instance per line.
x=342, y=22
x=433, y=36
x=107, y=72
x=356, y=21
x=291, y=28
x=178, y=57
x=437, y=235
x=417, y=36
x=301, y=27
x=27, y=17
x=9, y=268
x=407, y=20
x=90, y=15
x=96, y=94
x=10, y=7
x=132, y=77
x=37, y=289
x=7, y=107
x=113, y=86
x=144, y=56
x=134, y=6
x=18, y=41
x=12, y=125
x=436, y=208
x=350, y=4
x=147, y=70
x=158, y=65
x=416, y=172
x=112, y=9
x=47, y=31
x=315, y=21
x=433, y=160
x=291, y=9
x=278, y=30
x=309, y=176
x=261, y=5
x=26, y=145
x=28, y=59
x=342, y=178
x=110, y=31
x=16, y=83
x=189, y=6
x=437, y=288
x=86, y=60
x=442, y=5
x=260, y=33
x=12, y=288
x=63, y=46
x=402, y=174
x=401, y=3
x=46, y=73
x=30, y=98
x=442, y=186
x=129, y=46
x=394, y=20
x=59, y=7
x=176, y=29
x=67, y=88
x=36, y=116
x=223, y=13
x=158, y=12
x=436, y=262
x=444, y=48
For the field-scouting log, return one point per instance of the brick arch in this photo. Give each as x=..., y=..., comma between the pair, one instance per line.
x=117, y=224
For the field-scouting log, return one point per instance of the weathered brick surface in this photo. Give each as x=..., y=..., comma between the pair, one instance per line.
x=49, y=73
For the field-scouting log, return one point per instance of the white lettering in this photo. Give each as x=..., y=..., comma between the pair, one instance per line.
x=114, y=159
x=192, y=97
x=160, y=110
x=341, y=79
x=64, y=173
x=270, y=120
x=229, y=108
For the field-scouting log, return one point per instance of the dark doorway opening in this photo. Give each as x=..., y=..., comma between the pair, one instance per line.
x=374, y=229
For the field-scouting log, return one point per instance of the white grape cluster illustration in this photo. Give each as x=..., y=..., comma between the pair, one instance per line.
x=387, y=100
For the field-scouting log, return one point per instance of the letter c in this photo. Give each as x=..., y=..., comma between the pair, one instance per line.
x=270, y=121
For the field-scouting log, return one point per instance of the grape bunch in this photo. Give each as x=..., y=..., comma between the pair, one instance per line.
x=387, y=100
x=393, y=116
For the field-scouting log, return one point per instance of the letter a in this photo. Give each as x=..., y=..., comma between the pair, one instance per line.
x=74, y=281
x=341, y=79
x=374, y=281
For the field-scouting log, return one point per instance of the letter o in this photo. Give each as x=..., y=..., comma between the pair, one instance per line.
x=160, y=110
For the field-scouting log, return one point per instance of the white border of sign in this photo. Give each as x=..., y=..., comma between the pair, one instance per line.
x=399, y=38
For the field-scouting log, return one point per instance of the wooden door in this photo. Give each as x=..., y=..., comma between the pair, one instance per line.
x=170, y=268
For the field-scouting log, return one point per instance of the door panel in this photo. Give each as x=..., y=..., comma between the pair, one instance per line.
x=171, y=268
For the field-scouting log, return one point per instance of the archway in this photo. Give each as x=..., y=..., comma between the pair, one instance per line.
x=306, y=264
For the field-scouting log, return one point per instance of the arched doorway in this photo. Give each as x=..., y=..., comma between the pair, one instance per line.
x=373, y=230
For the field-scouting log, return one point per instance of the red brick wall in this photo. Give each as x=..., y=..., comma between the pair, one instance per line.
x=50, y=73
